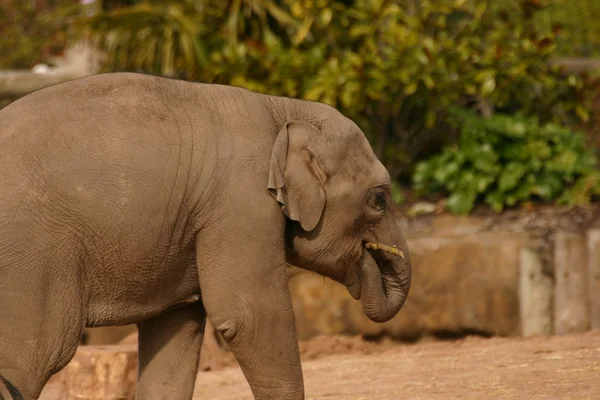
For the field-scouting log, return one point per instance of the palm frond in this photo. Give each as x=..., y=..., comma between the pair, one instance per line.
x=157, y=37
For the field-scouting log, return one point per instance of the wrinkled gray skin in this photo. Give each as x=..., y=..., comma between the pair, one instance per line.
x=123, y=195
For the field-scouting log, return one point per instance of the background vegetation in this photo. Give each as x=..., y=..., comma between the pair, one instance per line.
x=28, y=35
x=458, y=97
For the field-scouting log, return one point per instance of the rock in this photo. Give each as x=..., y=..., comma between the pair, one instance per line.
x=101, y=373
x=320, y=305
x=451, y=225
x=464, y=284
x=132, y=338
x=571, y=308
x=594, y=277
x=422, y=207
x=535, y=295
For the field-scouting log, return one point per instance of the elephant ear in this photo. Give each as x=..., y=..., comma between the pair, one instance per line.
x=295, y=175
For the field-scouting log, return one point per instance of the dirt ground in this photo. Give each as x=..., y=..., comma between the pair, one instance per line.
x=335, y=368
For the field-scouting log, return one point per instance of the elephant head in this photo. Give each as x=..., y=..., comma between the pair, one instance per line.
x=336, y=196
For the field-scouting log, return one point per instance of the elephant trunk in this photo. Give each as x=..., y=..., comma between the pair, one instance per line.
x=385, y=282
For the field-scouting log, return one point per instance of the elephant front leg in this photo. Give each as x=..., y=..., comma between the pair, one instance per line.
x=169, y=350
x=246, y=296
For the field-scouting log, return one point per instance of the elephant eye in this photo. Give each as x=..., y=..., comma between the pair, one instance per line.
x=378, y=200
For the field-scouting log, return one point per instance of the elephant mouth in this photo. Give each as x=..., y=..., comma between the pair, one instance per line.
x=373, y=248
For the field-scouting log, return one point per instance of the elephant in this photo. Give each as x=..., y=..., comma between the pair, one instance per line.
x=127, y=198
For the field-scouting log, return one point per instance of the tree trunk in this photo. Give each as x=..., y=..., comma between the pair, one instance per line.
x=15, y=84
x=80, y=60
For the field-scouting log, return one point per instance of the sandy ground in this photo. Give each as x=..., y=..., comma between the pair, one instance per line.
x=560, y=367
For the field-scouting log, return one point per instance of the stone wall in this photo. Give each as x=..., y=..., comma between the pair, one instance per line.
x=510, y=274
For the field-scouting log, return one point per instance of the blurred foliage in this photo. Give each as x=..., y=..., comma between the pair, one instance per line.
x=397, y=195
x=506, y=160
x=30, y=35
x=393, y=66
x=579, y=22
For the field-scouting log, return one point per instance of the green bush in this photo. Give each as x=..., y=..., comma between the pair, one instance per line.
x=507, y=160
x=393, y=66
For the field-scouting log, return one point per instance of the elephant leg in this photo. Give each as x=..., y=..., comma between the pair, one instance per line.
x=245, y=292
x=27, y=362
x=169, y=351
x=8, y=392
x=41, y=322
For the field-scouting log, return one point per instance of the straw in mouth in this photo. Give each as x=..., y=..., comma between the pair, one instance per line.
x=388, y=249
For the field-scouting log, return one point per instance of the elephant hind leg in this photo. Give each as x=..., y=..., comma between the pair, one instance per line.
x=31, y=354
x=169, y=352
x=8, y=391
x=41, y=321
x=33, y=349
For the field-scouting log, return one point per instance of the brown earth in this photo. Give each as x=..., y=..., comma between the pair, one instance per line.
x=555, y=367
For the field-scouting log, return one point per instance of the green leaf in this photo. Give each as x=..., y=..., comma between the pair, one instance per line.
x=410, y=89
x=480, y=9
x=516, y=128
x=446, y=171
x=485, y=159
x=510, y=176
x=484, y=75
x=495, y=200
x=361, y=30
x=565, y=161
x=281, y=15
x=582, y=113
x=397, y=196
x=547, y=186
x=461, y=202
x=488, y=87
x=428, y=81
x=525, y=190
x=430, y=119
x=482, y=182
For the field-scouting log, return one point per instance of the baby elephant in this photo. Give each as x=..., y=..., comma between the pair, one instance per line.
x=127, y=198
